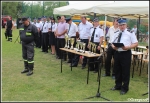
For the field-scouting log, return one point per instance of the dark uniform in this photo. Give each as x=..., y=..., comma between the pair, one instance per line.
x=8, y=30
x=28, y=36
x=122, y=57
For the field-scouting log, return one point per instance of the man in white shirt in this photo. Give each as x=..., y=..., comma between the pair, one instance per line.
x=96, y=37
x=72, y=31
x=134, y=29
x=110, y=50
x=122, y=56
x=39, y=26
x=84, y=34
x=45, y=30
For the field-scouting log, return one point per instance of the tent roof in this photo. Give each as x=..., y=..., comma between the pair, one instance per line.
x=126, y=9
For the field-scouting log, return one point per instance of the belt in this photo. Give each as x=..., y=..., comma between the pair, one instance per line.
x=83, y=39
x=122, y=51
x=73, y=37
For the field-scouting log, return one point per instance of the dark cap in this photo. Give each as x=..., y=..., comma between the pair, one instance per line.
x=122, y=21
x=58, y=17
x=44, y=17
x=24, y=18
x=95, y=20
x=39, y=18
x=68, y=19
x=52, y=18
x=35, y=18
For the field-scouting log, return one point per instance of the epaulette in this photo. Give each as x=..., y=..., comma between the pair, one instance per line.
x=131, y=31
x=100, y=27
x=116, y=31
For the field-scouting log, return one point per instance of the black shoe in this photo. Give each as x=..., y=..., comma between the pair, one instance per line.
x=46, y=52
x=95, y=72
x=73, y=65
x=105, y=75
x=122, y=92
x=69, y=61
x=113, y=77
x=114, y=88
x=83, y=67
x=42, y=51
x=30, y=73
x=25, y=71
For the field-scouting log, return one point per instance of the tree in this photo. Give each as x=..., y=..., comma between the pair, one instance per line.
x=11, y=8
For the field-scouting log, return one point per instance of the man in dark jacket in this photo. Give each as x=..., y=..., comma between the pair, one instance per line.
x=28, y=36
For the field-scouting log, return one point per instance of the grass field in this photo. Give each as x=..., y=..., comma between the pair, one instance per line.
x=49, y=84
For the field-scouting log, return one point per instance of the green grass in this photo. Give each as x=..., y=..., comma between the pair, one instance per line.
x=49, y=84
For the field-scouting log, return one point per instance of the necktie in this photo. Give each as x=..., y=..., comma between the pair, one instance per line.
x=119, y=37
x=69, y=28
x=43, y=26
x=51, y=26
x=92, y=38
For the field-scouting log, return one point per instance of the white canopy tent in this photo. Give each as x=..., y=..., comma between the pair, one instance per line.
x=78, y=8
x=126, y=9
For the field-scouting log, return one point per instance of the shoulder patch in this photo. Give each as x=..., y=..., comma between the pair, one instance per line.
x=131, y=31
x=116, y=31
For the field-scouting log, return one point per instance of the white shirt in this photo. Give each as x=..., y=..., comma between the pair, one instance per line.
x=54, y=26
x=35, y=24
x=40, y=25
x=127, y=38
x=98, y=33
x=111, y=32
x=84, y=30
x=134, y=30
x=73, y=29
x=45, y=27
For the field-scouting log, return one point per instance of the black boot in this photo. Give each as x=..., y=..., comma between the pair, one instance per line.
x=30, y=72
x=26, y=67
x=30, y=65
x=25, y=71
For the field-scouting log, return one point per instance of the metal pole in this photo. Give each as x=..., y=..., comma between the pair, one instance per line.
x=31, y=9
x=43, y=8
x=138, y=27
x=94, y=15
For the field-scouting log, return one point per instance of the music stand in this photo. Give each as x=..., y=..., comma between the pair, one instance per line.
x=98, y=95
x=17, y=39
x=144, y=94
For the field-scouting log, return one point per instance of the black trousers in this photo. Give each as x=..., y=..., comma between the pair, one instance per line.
x=28, y=55
x=110, y=54
x=45, y=42
x=61, y=44
x=9, y=34
x=122, y=69
x=56, y=46
x=40, y=39
x=71, y=55
x=94, y=66
x=76, y=57
x=38, y=42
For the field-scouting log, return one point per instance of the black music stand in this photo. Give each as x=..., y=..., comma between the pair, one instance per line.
x=98, y=95
x=18, y=40
x=144, y=94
